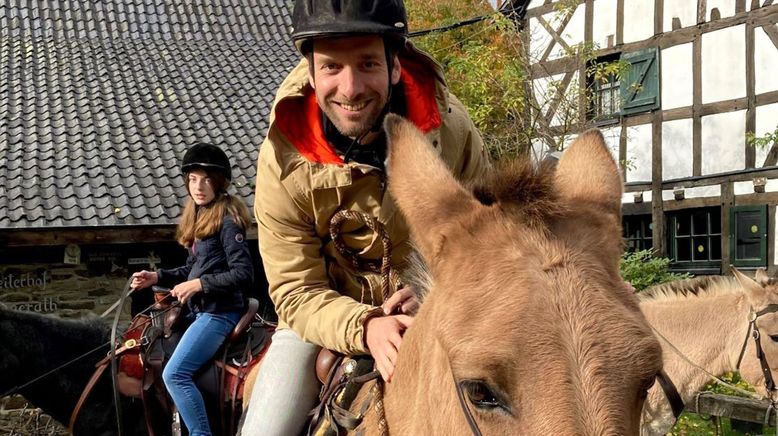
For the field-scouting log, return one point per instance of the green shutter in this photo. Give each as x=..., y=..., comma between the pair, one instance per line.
x=748, y=236
x=640, y=85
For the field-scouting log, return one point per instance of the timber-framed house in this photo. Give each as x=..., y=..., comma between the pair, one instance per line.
x=694, y=79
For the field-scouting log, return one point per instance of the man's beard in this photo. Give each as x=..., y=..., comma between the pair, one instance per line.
x=351, y=129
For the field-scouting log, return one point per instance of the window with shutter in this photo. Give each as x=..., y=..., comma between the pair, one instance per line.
x=640, y=87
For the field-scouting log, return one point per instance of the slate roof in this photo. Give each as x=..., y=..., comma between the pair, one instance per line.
x=99, y=100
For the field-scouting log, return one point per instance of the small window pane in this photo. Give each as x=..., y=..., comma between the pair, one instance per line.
x=650, y=229
x=715, y=248
x=683, y=250
x=700, y=222
x=683, y=225
x=715, y=221
x=700, y=248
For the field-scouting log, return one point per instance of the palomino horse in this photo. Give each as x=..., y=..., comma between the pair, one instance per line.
x=527, y=318
x=707, y=320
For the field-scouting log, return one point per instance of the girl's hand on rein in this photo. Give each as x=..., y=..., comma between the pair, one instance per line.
x=143, y=279
x=184, y=291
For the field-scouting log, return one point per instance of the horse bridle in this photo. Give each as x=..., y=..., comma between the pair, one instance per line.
x=676, y=403
x=753, y=331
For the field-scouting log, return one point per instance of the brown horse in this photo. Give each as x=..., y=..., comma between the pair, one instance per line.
x=527, y=316
x=706, y=320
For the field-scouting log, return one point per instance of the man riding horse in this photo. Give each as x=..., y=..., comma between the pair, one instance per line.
x=325, y=152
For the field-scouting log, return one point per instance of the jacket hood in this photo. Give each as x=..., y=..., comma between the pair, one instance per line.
x=296, y=116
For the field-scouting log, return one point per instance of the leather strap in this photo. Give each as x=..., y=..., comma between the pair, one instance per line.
x=676, y=403
x=101, y=366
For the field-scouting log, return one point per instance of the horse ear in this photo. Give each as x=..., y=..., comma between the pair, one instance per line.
x=761, y=276
x=587, y=173
x=422, y=185
x=753, y=290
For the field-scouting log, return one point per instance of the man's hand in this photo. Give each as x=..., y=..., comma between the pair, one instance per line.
x=184, y=291
x=144, y=279
x=402, y=301
x=383, y=336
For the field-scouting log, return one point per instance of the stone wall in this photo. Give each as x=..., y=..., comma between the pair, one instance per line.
x=40, y=280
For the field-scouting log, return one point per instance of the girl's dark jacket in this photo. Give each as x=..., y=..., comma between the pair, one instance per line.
x=223, y=264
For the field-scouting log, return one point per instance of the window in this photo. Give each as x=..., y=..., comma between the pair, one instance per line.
x=605, y=90
x=748, y=235
x=695, y=237
x=623, y=84
x=638, y=232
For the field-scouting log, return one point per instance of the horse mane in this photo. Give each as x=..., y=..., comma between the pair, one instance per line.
x=696, y=287
x=523, y=188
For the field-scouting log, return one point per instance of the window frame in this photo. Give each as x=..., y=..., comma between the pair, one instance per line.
x=672, y=236
x=642, y=222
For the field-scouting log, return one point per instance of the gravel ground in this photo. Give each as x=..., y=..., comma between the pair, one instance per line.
x=28, y=421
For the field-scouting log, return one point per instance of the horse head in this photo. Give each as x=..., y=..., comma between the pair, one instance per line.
x=527, y=318
x=759, y=352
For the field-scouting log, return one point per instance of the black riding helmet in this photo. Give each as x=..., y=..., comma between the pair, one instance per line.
x=207, y=157
x=331, y=18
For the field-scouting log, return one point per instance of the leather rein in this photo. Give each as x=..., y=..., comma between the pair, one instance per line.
x=753, y=331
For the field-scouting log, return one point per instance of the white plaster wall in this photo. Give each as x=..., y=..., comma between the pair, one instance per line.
x=677, y=154
x=604, y=22
x=535, y=3
x=766, y=122
x=765, y=63
x=726, y=8
x=544, y=93
x=612, y=136
x=686, y=10
x=629, y=197
x=540, y=39
x=677, y=76
x=638, y=20
x=741, y=188
x=695, y=192
x=639, y=153
x=539, y=149
x=771, y=186
x=723, y=142
x=723, y=64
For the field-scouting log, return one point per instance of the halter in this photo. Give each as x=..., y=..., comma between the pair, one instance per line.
x=769, y=382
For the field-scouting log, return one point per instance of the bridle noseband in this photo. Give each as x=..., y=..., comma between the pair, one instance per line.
x=769, y=382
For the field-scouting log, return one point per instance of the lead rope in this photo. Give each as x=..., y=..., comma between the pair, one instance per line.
x=384, y=267
x=680, y=354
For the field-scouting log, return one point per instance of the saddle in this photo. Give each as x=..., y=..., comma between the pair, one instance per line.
x=149, y=342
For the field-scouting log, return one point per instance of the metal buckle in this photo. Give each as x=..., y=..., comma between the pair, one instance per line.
x=130, y=343
x=752, y=316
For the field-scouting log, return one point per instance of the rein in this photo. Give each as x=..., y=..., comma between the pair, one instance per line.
x=753, y=331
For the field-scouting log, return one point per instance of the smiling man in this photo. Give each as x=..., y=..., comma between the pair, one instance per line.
x=325, y=152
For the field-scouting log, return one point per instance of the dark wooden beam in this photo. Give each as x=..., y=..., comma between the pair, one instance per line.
x=749, y=150
x=657, y=208
x=727, y=202
x=696, y=107
x=39, y=237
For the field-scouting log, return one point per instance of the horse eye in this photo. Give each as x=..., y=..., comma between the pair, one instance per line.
x=481, y=396
x=774, y=338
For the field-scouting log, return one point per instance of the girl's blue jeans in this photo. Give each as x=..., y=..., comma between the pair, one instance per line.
x=198, y=344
